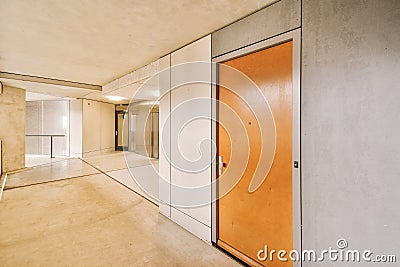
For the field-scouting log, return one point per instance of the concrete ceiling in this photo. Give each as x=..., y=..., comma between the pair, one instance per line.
x=42, y=91
x=97, y=41
x=37, y=97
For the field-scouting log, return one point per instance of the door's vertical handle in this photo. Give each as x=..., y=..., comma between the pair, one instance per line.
x=220, y=165
x=116, y=133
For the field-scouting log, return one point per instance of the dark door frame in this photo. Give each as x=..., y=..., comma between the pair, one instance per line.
x=117, y=147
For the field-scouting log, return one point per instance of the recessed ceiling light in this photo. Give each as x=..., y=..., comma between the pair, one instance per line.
x=115, y=98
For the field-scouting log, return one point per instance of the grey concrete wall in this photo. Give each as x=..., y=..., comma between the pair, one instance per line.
x=350, y=106
x=350, y=125
x=12, y=128
x=277, y=18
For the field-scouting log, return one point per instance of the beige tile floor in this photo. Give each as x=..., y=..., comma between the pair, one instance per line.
x=112, y=161
x=141, y=172
x=92, y=220
x=143, y=180
x=50, y=172
x=36, y=160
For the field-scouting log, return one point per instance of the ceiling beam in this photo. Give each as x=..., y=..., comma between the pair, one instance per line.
x=36, y=79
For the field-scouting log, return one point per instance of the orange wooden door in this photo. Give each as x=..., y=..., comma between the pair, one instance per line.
x=249, y=221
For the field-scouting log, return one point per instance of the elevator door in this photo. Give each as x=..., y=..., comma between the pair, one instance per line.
x=249, y=221
x=121, y=131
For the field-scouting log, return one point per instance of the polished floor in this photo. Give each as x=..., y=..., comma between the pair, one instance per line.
x=63, y=169
x=36, y=160
x=134, y=171
x=70, y=213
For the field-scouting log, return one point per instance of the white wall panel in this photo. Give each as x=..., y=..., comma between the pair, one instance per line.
x=33, y=126
x=190, y=137
x=47, y=117
x=164, y=110
x=195, y=227
x=55, y=121
x=75, y=128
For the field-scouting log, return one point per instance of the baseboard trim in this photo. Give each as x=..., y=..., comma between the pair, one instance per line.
x=231, y=250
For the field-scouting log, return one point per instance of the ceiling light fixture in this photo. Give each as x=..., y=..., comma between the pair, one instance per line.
x=115, y=98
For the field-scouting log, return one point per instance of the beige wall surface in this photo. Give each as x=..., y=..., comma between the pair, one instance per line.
x=75, y=127
x=12, y=128
x=107, y=126
x=91, y=126
x=98, y=127
x=1, y=158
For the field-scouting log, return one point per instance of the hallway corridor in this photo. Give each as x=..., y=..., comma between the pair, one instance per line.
x=200, y=133
x=68, y=213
